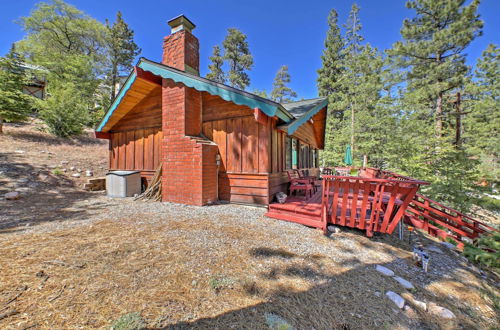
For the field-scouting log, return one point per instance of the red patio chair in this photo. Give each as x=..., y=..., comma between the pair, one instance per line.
x=298, y=184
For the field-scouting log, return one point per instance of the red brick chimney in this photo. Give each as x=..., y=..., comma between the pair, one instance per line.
x=181, y=48
x=189, y=160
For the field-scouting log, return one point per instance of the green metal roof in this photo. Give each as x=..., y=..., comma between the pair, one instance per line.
x=292, y=113
x=302, y=111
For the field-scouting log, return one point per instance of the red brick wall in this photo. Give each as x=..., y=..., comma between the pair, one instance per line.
x=181, y=48
x=189, y=169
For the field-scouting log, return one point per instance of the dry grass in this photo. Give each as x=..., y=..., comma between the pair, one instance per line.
x=90, y=275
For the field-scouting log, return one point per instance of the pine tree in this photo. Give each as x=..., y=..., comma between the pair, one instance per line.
x=122, y=50
x=215, y=68
x=432, y=51
x=14, y=104
x=482, y=123
x=281, y=93
x=239, y=58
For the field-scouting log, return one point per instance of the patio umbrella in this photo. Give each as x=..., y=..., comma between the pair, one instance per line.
x=348, y=155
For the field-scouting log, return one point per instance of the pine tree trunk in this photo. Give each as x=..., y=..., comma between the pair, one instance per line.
x=458, y=126
x=439, y=115
x=114, y=73
x=352, y=133
x=1, y=125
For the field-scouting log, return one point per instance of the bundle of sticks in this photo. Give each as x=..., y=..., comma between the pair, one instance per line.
x=153, y=191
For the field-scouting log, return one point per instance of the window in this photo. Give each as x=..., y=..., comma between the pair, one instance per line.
x=295, y=160
x=288, y=153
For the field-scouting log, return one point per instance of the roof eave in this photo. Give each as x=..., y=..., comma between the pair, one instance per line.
x=291, y=127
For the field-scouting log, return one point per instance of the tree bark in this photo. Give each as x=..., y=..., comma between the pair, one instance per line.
x=1, y=125
x=352, y=133
x=439, y=115
x=458, y=125
x=114, y=73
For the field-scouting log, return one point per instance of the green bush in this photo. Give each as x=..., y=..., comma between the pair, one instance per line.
x=479, y=255
x=66, y=111
x=130, y=321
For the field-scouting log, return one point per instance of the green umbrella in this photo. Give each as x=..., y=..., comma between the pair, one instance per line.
x=348, y=155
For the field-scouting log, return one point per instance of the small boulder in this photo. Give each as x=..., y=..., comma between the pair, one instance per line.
x=384, y=270
x=419, y=304
x=406, y=284
x=396, y=299
x=75, y=175
x=72, y=168
x=89, y=173
x=20, y=151
x=441, y=312
x=334, y=229
x=64, y=162
x=434, y=248
x=448, y=245
x=12, y=196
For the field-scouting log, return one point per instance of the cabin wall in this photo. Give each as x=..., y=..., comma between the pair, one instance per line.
x=135, y=141
x=253, y=160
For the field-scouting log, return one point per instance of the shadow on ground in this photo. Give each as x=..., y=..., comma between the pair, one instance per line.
x=45, y=197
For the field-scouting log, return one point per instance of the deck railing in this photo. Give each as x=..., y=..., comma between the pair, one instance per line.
x=370, y=204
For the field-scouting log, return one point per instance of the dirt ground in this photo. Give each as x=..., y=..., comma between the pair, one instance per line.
x=73, y=259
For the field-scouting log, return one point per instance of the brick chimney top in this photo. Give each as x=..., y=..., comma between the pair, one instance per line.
x=181, y=22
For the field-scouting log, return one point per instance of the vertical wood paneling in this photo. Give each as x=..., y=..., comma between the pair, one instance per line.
x=122, y=151
x=139, y=149
x=234, y=145
x=274, y=152
x=130, y=150
x=149, y=149
x=220, y=138
x=249, y=142
x=264, y=149
x=157, y=149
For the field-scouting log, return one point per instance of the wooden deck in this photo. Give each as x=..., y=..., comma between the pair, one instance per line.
x=299, y=209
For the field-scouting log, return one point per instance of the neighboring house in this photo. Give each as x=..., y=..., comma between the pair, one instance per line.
x=213, y=141
x=37, y=82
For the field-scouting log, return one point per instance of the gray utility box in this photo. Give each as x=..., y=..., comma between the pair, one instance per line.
x=123, y=183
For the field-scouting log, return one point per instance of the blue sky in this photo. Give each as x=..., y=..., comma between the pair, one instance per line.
x=279, y=32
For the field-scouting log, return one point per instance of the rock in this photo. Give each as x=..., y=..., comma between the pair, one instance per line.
x=419, y=304
x=65, y=170
x=42, y=177
x=75, y=175
x=52, y=167
x=334, y=229
x=377, y=293
x=12, y=196
x=384, y=270
x=448, y=245
x=79, y=170
x=434, y=248
x=89, y=173
x=64, y=162
x=406, y=284
x=20, y=151
x=72, y=168
x=396, y=299
x=441, y=312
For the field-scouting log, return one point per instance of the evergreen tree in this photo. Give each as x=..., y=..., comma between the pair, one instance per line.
x=238, y=56
x=261, y=93
x=215, y=68
x=73, y=47
x=14, y=104
x=482, y=131
x=122, y=50
x=281, y=93
x=432, y=51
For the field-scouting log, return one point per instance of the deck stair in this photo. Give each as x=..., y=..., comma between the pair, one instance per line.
x=379, y=201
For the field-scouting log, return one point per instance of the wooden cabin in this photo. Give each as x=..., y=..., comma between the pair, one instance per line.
x=214, y=142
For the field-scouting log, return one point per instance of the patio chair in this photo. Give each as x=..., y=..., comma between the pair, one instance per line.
x=299, y=184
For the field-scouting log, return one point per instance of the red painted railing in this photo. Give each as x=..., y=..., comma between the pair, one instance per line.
x=437, y=219
x=444, y=222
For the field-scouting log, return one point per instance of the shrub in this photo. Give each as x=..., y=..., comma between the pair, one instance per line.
x=130, y=321
x=487, y=251
x=65, y=111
